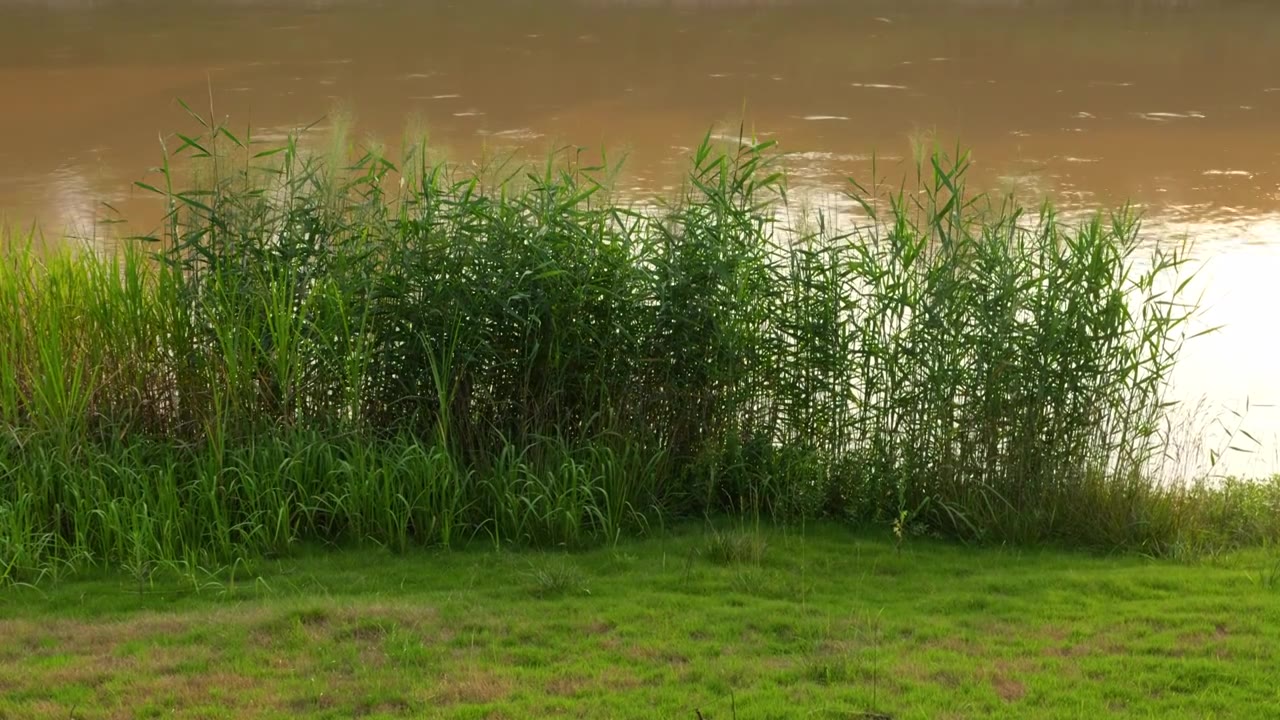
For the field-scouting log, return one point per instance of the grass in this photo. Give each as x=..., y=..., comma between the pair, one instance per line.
x=830, y=623
x=343, y=350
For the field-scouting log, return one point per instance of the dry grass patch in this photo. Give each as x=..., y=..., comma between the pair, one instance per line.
x=599, y=626
x=656, y=656
x=81, y=637
x=1009, y=689
x=568, y=685
x=472, y=686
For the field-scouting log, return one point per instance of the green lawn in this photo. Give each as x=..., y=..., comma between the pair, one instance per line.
x=777, y=624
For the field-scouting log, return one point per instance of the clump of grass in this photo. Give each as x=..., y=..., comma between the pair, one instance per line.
x=1269, y=574
x=826, y=670
x=347, y=349
x=735, y=547
x=556, y=578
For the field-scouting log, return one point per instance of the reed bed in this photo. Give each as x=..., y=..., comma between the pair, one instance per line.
x=335, y=348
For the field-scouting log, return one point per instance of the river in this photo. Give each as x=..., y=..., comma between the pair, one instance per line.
x=1173, y=105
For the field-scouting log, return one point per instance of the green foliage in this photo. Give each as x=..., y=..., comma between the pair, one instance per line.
x=345, y=350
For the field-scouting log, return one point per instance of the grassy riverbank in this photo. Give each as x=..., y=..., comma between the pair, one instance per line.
x=777, y=623
x=333, y=348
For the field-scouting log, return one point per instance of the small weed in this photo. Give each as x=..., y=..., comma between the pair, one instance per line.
x=556, y=578
x=751, y=581
x=730, y=547
x=621, y=560
x=827, y=670
x=1269, y=576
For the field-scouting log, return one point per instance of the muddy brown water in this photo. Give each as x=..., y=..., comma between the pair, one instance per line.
x=1173, y=105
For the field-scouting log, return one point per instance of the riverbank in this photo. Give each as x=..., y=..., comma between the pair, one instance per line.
x=338, y=348
x=731, y=622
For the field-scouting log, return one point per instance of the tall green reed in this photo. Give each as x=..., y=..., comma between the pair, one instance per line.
x=343, y=349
